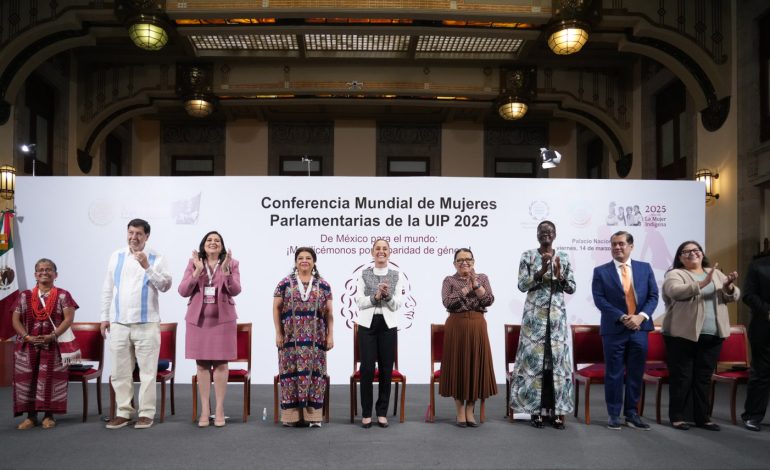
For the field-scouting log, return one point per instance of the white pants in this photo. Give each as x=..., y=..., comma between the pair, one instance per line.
x=129, y=344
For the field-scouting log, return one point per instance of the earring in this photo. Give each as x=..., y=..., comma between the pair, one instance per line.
x=314, y=272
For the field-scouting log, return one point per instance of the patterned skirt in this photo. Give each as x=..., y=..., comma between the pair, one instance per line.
x=39, y=377
x=467, y=372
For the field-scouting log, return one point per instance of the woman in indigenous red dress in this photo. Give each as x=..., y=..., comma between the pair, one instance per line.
x=40, y=375
x=211, y=280
x=303, y=319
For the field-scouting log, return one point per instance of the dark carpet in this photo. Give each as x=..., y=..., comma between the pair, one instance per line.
x=498, y=443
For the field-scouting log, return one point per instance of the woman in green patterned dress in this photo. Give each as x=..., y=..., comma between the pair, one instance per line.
x=542, y=375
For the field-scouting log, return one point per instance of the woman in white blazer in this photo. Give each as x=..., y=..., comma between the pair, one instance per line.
x=378, y=297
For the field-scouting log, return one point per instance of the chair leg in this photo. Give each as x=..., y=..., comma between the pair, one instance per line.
x=658, y=389
x=507, y=397
x=432, y=402
x=733, y=390
x=353, y=404
x=173, y=407
x=577, y=396
x=483, y=415
x=85, y=399
x=112, y=400
x=275, y=400
x=395, y=399
x=245, y=400
x=403, y=398
x=248, y=403
x=327, y=399
x=587, y=400
x=162, y=400
x=194, y=398
x=99, y=395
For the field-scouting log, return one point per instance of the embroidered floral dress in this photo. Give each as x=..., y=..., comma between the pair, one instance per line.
x=302, y=359
x=39, y=376
x=538, y=323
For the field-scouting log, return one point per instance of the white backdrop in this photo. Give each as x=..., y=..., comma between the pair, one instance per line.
x=78, y=222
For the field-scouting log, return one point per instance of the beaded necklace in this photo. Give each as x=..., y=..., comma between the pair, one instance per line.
x=40, y=308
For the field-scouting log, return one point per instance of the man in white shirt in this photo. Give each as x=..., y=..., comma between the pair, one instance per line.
x=130, y=313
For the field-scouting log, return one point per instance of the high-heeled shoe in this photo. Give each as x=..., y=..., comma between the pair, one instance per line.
x=537, y=421
x=558, y=422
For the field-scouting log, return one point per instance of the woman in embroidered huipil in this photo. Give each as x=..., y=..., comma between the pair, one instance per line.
x=302, y=315
x=378, y=297
x=40, y=376
x=467, y=373
x=542, y=375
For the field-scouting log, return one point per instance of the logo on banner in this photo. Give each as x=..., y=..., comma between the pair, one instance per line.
x=629, y=215
x=539, y=210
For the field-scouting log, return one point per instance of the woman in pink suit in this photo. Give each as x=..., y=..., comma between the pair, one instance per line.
x=211, y=280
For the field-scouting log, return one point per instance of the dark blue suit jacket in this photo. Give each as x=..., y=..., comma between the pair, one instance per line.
x=609, y=298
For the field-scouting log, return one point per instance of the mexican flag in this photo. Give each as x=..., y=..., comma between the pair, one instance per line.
x=9, y=286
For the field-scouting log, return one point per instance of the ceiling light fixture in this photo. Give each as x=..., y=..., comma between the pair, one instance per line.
x=148, y=32
x=570, y=25
x=568, y=37
x=517, y=91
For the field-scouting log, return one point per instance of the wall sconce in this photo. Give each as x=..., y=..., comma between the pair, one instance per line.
x=7, y=182
x=571, y=25
x=517, y=91
x=705, y=176
x=194, y=87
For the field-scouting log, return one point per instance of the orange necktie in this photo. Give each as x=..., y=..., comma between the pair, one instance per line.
x=628, y=289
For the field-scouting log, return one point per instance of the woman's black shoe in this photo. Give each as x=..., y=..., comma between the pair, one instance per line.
x=366, y=425
x=558, y=422
x=461, y=424
x=472, y=424
x=537, y=421
x=709, y=426
x=681, y=426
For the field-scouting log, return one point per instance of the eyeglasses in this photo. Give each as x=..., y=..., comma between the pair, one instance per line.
x=694, y=251
x=45, y=270
x=464, y=261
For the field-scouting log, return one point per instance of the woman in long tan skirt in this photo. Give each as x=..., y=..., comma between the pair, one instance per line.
x=467, y=373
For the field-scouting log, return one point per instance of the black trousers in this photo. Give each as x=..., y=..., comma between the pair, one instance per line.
x=376, y=344
x=690, y=365
x=758, y=391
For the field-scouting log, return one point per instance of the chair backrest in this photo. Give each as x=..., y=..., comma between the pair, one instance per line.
x=586, y=345
x=356, y=353
x=90, y=341
x=656, y=348
x=168, y=343
x=735, y=349
x=243, y=344
x=436, y=345
x=512, y=333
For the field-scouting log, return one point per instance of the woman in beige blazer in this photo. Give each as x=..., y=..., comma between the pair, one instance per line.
x=695, y=324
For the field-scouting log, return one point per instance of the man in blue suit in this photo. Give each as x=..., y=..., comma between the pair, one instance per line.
x=626, y=294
